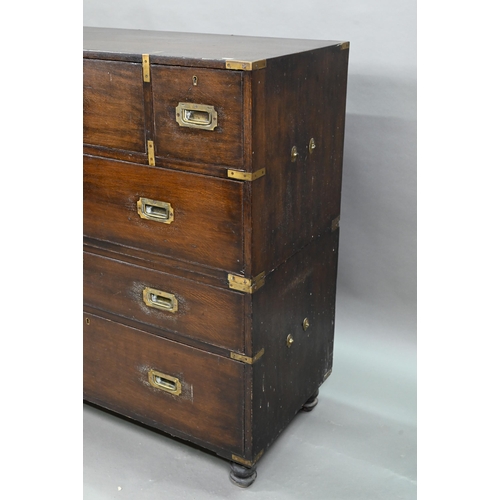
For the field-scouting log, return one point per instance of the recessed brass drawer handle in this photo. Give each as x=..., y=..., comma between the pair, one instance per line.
x=160, y=300
x=159, y=211
x=192, y=115
x=165, y=382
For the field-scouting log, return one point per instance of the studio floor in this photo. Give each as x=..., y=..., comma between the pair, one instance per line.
x=359, y=443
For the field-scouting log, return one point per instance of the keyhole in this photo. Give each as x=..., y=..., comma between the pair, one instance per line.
x=195, y=80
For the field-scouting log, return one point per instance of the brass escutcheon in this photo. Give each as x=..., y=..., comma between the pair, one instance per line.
x=294, y=154
x=289, y=341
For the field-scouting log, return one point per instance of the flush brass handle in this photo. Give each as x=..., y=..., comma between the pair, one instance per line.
x=158, y=211
x=165, y=382
x=160, y=300
x=192, y=115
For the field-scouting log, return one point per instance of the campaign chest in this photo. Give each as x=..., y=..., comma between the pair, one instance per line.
x=212, y=183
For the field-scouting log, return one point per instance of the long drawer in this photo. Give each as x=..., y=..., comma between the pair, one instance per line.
x=176, y=214
x=202, y=312
x=185, y=391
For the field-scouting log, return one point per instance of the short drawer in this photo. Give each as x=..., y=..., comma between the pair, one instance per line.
x=198, y=114
x=176, y=214
x=176, y=388
x=113, y=105
x=180, y=305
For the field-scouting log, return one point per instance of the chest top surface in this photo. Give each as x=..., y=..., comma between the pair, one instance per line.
x=184, y=48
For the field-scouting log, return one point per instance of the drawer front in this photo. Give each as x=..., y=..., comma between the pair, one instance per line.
x=191, y=217
x=199, y=311
x=185, y=114
x=165, y=384
x=113, y=105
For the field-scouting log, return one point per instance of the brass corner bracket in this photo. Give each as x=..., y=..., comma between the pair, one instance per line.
x=335, y=223
x=248, y=463
x=246, y=176
x=146, y=72
x=247, y=285
x=247, y=359
x=245, y=65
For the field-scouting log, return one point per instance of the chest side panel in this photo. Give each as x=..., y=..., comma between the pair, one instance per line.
x=289, y=372
x=297, y=99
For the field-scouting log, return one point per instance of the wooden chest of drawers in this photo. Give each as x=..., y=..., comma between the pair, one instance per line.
x=212, y=181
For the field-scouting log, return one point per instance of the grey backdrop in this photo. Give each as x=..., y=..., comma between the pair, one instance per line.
x=360, y=442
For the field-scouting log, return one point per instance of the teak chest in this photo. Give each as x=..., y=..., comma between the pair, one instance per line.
x=212, y=182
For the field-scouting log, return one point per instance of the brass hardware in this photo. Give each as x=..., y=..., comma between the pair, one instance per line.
x=312, y=145
x=247, y=285
x=335, y=223
x=192, y=115
x=160, y=300
x=289, y=341
x=327, y=374
x=305, y=324
x=164, y=382
x=248, y=463
x=246, y=65
x=87, y=320
x=146, y=73
x=344, y=45
x=294, y=154
x=151, y=153
x=195, y=80
x=247, y=359
x=246, y=176
x=158, y=211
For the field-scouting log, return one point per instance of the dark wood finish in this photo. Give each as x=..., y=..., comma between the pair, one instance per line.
x=113, y=108
x=117, y=359
x=285, y=377
x=295, y=99
x=189, y=49
x=207, y=227
x=221, y=89
x=210, y=314
x=280, y=224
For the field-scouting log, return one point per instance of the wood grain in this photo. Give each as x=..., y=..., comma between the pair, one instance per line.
x=113, y=105
x=221, y=89
x=212, y=315
x=207, y=226
x=116, y=362
x=295, y=99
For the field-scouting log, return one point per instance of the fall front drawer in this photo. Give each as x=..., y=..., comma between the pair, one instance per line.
x=176, y=214
x=191, y=393
x=187, y=308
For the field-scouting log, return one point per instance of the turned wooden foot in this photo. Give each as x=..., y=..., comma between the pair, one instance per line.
x=311, y=402
x=242, y=476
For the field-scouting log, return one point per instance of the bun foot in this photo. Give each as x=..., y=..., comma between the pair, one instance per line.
x=311, y=402
x=242, y=476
